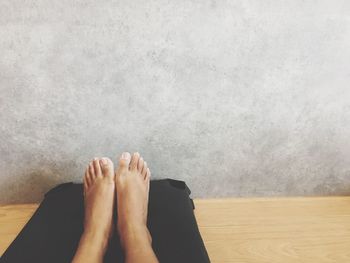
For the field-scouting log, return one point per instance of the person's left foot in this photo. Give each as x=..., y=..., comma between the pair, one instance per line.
x=99, y=189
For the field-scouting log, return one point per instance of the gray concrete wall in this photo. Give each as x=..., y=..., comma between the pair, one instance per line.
x=237, y=98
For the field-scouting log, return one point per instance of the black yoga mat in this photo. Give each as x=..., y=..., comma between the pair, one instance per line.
x=53, y=232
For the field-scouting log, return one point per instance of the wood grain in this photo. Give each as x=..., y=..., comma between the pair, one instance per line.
x=12, y=220
x=280, y=230
x=259, y=230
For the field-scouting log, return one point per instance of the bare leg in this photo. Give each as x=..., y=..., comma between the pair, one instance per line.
x=132, y=181
x=99, y=190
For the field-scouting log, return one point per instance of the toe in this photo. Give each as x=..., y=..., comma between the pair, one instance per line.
x=148, y=174
x=148, y=179
x=134, y=161
x=86, y=179
x=140, y=164
x=97, y=167
x=106, y=167
x=124, y=161
x=91, y=172
x=144, y=170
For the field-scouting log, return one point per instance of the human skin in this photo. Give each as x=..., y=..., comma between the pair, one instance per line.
x=128, y=188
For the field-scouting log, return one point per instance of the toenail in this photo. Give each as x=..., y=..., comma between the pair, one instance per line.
x=124, y=156
x=103, y=161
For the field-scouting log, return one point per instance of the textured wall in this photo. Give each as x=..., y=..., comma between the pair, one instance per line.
x=237, y=98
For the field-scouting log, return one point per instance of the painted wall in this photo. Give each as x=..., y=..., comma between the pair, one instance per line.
x=237, y=98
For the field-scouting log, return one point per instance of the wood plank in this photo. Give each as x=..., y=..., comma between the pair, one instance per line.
x=259, y=230
x=12, y=220
x=275, y=230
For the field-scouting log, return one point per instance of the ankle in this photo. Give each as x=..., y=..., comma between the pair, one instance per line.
x=133, y=233
x=92, y=247
x=96, y=239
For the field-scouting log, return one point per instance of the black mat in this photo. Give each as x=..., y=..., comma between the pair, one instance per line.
x=53, y=233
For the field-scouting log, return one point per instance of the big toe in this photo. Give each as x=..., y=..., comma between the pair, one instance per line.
x=107, y=167
x=124, y=161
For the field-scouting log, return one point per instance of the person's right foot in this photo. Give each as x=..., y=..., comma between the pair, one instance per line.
x=132, y=180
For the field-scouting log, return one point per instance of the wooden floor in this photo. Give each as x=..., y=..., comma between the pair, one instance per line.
x=281, y=230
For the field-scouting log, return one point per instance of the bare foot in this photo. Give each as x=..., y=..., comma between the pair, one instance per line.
x=132, y=181
x=99, y=190
x=132, y=184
